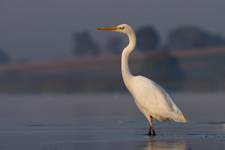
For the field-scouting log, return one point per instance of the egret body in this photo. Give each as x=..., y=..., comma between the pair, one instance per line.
x=151, y=99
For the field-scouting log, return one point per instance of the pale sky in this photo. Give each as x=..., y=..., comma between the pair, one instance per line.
x=42, y=29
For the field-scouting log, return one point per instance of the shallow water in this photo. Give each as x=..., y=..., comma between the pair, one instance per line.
x=107, y=121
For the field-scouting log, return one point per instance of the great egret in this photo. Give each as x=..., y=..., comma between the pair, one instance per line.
x=151, y=99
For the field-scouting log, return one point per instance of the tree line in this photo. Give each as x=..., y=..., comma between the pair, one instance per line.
x=148, y=39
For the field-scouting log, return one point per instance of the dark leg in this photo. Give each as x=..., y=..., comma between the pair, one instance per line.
x=151, y=131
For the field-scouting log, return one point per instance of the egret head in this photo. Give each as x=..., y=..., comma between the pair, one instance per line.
x=123, y=28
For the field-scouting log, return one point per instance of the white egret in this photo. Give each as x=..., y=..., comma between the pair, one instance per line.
x=151, y=99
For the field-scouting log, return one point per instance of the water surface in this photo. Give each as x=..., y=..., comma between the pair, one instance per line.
x=107, y=121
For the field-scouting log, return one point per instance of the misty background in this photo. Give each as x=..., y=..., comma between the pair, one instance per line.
x=53, y=46
x=40, y=30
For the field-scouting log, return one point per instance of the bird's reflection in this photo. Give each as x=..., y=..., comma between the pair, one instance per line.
x=155, y=144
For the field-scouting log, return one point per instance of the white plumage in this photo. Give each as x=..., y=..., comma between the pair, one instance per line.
x=151, y=99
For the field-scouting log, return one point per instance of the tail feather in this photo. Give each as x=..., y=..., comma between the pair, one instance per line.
x=180, y=118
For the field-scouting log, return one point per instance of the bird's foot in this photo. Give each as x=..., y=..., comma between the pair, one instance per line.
x=151, y=132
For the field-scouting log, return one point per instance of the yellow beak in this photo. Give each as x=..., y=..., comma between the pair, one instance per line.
x=108, y=28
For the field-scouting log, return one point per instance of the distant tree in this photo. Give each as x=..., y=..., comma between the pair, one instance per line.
x=4, y=58
x=217, y=40
x=164, y=68
x=192, y=37
x=114, y=44
x=147, y=38
x=85, y=44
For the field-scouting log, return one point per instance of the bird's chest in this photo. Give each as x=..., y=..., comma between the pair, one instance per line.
x=145, y=97
x=142, y=100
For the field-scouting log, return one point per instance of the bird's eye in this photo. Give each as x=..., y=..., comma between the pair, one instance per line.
x=122, y=28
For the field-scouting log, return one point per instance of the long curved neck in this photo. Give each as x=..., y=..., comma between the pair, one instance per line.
x=126, y=74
